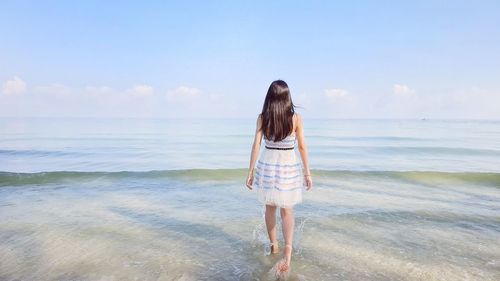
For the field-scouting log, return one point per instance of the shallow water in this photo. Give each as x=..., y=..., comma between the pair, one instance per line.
x=96, y=223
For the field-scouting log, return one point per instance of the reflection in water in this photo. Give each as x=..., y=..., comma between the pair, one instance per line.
x=161, y=228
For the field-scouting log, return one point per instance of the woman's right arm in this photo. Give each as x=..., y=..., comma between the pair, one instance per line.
x=303, y=152
x=255, y=152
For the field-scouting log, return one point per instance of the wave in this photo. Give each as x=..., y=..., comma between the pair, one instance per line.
x=322, y=148
x=479, y=178
x=9, y=178
x=41, y=178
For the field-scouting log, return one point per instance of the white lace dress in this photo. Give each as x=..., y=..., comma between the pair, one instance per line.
x=278, y=174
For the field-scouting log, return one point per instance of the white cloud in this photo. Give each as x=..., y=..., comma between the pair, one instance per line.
x=184, y=101
x=98, y=91
x=54, y=89
x=58, y=89
x=14, y=86
x=337, y=103
x=336, y=93
x=141, y=90
x=403, y=102
x=183, y=93
x=402, y=90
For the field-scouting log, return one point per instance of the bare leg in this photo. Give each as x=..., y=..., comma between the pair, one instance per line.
x=288, y=225
x=271, y=227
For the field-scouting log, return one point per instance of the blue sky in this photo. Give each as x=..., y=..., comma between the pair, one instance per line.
x=341, y=59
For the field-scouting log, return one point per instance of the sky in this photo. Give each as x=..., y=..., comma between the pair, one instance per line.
x=216, y=59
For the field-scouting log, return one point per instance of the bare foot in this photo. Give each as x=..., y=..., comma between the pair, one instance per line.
x=283, y=266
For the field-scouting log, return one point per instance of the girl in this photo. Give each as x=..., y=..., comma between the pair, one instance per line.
x=279, y=177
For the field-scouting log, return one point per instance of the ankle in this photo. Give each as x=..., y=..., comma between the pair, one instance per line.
x=287, y=252
x=274, y=247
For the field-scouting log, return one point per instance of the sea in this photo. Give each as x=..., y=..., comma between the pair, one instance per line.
x=165, y=199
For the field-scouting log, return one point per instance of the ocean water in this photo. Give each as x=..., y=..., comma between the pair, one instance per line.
x=164, y=199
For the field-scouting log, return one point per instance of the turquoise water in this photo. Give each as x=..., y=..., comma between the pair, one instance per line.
x=144, y=199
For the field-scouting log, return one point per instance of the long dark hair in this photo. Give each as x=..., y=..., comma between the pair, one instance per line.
x=277, y=112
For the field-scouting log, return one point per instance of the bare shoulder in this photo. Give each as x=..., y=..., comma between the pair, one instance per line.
x=259, y=120
x=297, y=118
